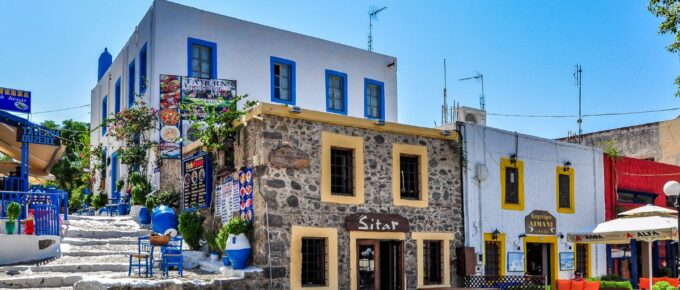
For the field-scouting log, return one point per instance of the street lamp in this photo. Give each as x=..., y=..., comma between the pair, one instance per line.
x=672, y=188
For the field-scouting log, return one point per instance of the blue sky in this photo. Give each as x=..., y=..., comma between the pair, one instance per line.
x=525, y=49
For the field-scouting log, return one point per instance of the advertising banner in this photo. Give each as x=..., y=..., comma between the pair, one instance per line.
x=196, y=182
x=170, y=133
x=15, y=100
x=197, y=94
x=37, y=135
x=246, y=191
x=227, y=199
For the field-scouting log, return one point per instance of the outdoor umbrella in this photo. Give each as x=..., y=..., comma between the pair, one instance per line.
x=648, y=223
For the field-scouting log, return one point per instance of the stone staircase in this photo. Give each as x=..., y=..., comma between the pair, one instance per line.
x=92, y=246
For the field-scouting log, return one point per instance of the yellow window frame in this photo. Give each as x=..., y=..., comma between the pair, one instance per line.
x=329, y=140
x=519, y=164
x=414, y=150
x=566, y=171
x=588, y=255
x=331, y=236
x=488, y=237
x=445, y=238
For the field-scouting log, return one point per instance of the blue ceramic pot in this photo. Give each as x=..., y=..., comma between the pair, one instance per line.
x=163, y=218
x=225, y=260
x=144, y=217
x=238, y=250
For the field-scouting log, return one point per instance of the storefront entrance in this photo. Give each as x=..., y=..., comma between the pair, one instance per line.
x=381, y=264
x=539, y=259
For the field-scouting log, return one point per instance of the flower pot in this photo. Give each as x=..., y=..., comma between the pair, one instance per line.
x=238, y=250
x=144, y=216
x=225, y=260
x=10, y=226
x=214, y=257
x=163, y=218
x=134, y=211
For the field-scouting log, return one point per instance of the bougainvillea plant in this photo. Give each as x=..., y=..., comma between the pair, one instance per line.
x=132, y=128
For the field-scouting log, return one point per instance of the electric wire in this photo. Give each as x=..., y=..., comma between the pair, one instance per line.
x=62, y=109
x=584, y=115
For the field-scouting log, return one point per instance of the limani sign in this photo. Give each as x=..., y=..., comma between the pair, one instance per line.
x=15, y=100
x=38, y=135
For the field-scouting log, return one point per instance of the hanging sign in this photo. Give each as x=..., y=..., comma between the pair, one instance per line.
x=38, y=135
x=170, y=133
x=198, y=93
x=196, y=182
x=376, y=222
x=15, y=100
x=246, y=192
x=540, y=222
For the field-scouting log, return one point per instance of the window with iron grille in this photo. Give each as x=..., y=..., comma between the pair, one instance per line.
x=314, y=262
x=409, y=166
x=492, y=259
x=342, y=171
x=565, y=190
x=432, y=263
x=282, y=81
x=511, y=185
x=582, y=259
x=201, y=61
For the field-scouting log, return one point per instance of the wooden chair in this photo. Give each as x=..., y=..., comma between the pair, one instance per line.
x=144, y=252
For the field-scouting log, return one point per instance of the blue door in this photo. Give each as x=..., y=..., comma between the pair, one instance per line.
x=115, y=168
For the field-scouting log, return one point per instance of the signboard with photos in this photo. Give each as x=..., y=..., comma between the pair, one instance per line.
x=170, y=134
x=15, y=100
x=196, y=182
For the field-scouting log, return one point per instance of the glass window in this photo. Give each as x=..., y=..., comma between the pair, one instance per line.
x=635, y=197
x=511, y=186
x=374, y=100
x=432, y=262
x=410, y=173
x=131, y=84
x=314, y=262
x=142, y=70
x=564, y=189
x=336, y=91
x=342, y=171
x=117, y=95
x=201, y=61
x=492, y=258
x=104, y=114
x=582, y=259
x=282, y=81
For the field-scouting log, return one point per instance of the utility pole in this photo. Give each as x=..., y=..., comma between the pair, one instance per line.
x=445, y=106
x=373, y=13
x=577, y=76
x=480, y=77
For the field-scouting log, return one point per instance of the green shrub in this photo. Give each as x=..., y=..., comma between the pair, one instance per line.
x=13, y=211
x=221, y=238
x=75, y=200
x=236, y=226
x=140, y=188
x=100, y=200
x=211, y=238
x=191, y=228
x=119, y=185
x=151, y=202
x=662, y=285
x=168, y=198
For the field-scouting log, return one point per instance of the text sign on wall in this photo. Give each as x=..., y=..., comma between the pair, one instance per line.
x=376, y=222
x=199, y=93
x=36, y=135
x=196, y=182
x=15, y=100
x=540, y=222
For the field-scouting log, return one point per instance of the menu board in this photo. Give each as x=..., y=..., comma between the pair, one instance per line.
x=196, y=182
x=170, y=133
x=198, y=93
x=227, y=199
x=246, y=192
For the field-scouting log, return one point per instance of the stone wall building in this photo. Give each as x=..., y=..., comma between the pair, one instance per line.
x=408, y=229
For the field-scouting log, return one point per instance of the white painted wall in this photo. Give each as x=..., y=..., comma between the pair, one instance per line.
x=243, y=54
x=24, y=248
x=483, y=212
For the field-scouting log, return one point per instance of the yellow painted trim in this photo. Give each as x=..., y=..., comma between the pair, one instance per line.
x=588, y=254
x=519, y=164
x=353, y=237
x=545, y=240
x=331, y=235
x=501, y=240
x=329, y=140
x=445, y=238
x=560, y=170
x=421, y=152
x=341, y=120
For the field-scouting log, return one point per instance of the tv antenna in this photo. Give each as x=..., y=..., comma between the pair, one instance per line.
x=480, y=77
x=372, y=14
x=577, y=76
x=445, y=106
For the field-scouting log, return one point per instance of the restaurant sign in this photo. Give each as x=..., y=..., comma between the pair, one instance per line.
x=198, y=93
x=15, y=100
x=376, y=222
x=540, y=222
x=196, y=184
x=38, y=135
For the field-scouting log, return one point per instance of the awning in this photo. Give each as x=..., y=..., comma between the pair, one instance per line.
x=41, y=157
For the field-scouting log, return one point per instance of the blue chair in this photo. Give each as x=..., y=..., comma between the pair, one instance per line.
x=144, y=253
x=171, y=256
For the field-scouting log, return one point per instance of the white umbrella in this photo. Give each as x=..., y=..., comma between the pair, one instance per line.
x=648, y=223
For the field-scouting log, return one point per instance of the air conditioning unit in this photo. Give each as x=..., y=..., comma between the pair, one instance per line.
x=471, y=115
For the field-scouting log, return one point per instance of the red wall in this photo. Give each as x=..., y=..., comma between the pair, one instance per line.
x=635, y=175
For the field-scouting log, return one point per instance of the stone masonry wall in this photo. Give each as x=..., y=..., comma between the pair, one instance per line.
x=293, y=195
x=641, y=141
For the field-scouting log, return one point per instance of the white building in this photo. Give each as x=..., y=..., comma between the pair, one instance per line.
x=523, y=195
x=309, y=72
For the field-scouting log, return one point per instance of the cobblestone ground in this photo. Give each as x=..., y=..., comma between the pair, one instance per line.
x=95, y=249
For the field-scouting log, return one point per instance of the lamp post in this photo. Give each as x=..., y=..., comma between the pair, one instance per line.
x=672, y=188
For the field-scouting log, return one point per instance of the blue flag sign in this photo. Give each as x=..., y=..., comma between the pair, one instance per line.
x=15, y=100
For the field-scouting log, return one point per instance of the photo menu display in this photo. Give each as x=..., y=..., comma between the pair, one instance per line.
x=196, y=185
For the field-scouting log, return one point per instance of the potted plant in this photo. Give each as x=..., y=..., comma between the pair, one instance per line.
x=13, y=211
x=120, y=188
x=221, y=241
x=237, y=245
x=213, y=247
x=140, y=187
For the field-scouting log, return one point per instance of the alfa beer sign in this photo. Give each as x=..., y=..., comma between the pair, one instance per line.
x=540, y=222
x=623, y=237
x=38, y=135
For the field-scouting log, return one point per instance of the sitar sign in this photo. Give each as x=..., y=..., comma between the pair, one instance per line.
x=540, y=222
x=376, y=222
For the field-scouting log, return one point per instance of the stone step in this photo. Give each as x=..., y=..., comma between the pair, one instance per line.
x=115, y=266
x=50, y=280
x=96, y=250
x=132, y=241
x=103, y=234
x=96, y=259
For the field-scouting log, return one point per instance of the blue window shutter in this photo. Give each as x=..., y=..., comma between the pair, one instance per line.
x=143, y=78
x=213, y=62
x=277, y=60
x=381, y=97
x=343, y=77
x=104, y=114
x=131, y=84
x=117, y=95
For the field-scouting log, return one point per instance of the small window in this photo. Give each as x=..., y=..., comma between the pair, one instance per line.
x=511, y=185
x=492, y=259
x=104, y=114
x=336, y=92
x=131, y=84
x=374, y=94
x=142, y=70
x=432, y=263
x=582, y=259
x=117, y=96
x=410, y=175
x=314, y=262
x=201, y=61
x=283, y=80
x=342, y=168
x=564, y=189
x=637, y=197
